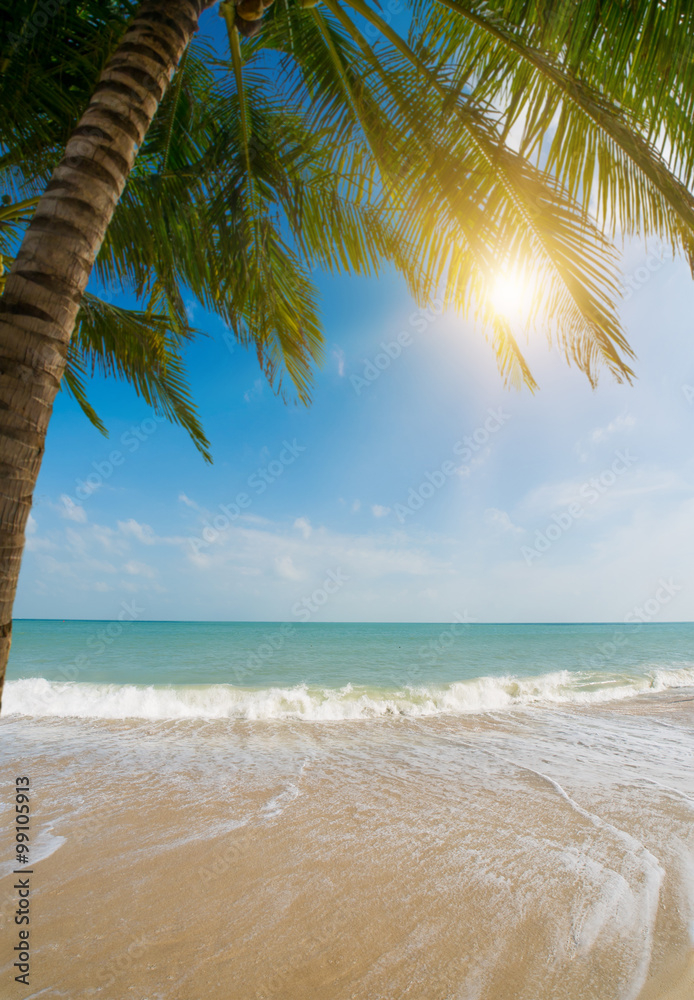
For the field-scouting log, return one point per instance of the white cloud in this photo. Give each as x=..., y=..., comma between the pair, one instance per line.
x=621, y=423
x=500, y=521
x=107, y=538
x=339, y=355
x=135, y=568
x=304, y=526
x=287, y=570
x=72, y=511
x=187, y=501
x=379, y=511
x=260, y=570
x=142, y=532
x=34, y=543
x=599, y=491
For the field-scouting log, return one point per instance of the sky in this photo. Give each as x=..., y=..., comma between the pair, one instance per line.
x=414, y=488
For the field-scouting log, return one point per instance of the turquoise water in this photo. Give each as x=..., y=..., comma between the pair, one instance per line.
x=491, y=805
x=333, y=671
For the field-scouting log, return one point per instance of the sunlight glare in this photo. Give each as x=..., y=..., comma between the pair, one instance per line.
x=511, y=293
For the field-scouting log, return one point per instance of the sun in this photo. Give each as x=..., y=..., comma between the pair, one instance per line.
x=510, y=295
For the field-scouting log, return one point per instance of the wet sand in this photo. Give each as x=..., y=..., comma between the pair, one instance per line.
x=535, y=855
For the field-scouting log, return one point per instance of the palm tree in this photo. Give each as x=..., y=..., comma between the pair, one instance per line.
x=317, y=146
x=603, y=97
x=144, y=348
x=141, y=345
x=155, y=248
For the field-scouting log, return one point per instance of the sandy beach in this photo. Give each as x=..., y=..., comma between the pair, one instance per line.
x=533, y=855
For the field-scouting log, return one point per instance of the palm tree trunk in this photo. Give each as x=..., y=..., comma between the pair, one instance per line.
x=44, y=288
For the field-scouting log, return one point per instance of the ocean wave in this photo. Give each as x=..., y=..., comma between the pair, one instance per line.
x=37, y=696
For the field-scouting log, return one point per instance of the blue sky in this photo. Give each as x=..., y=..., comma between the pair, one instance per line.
x=570, y=505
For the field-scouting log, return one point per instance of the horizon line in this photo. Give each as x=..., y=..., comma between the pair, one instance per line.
x=279, y=621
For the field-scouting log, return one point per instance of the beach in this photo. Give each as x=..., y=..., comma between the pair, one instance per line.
x=541, y=850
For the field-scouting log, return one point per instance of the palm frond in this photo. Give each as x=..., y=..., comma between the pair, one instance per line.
x=581, y=91
x=142, y=348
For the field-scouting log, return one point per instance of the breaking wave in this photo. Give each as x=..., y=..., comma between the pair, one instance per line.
x=37, y=696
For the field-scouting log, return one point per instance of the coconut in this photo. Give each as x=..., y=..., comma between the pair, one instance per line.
x=250, y=10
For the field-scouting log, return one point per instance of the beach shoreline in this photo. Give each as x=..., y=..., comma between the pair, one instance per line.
x=530, y=854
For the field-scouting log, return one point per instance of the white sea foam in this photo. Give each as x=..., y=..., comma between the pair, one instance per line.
x=43, y=844
x=628, y=907
x=278, y=803
x=40, y=697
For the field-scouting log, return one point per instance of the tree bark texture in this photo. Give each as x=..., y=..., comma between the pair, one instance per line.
x=45, y=286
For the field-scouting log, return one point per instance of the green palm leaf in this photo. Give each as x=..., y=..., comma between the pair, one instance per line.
x=143, y=348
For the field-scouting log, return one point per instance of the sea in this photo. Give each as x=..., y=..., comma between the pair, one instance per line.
x=451, y=811
x=232, y=670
